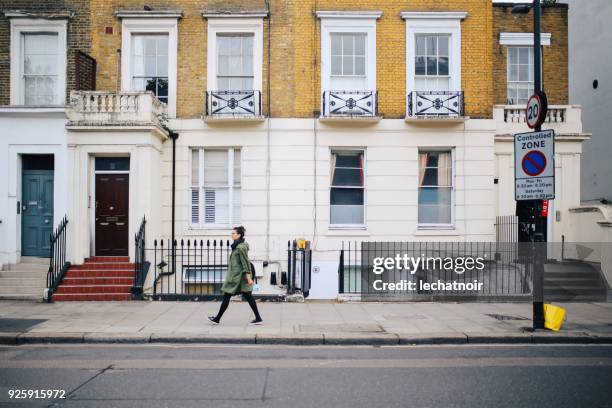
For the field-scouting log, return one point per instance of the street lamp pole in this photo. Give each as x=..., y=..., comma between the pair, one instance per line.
x=538, y=218
x=532, y=209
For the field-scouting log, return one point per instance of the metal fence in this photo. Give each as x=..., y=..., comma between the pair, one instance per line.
x=299, y=261
x=230, y=103
x=435, y=103
x=474, y=271
x=58, y=265
x=141, y=265
x=350, y=103
x=190, y=269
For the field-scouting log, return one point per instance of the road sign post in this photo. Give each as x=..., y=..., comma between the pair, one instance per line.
x=534, y=182
x=527, y=210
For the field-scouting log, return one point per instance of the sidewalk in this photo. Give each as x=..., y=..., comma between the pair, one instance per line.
x=295, y=323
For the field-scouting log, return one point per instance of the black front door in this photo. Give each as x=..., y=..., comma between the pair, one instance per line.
x=112, y=206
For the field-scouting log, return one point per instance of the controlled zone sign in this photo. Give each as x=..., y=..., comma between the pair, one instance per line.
x=534, y=165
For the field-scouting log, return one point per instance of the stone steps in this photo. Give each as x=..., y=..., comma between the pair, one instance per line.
x=26, y=280
x=98, y=278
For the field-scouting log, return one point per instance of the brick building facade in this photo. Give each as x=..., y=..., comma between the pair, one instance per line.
x=79, y=36
x=405, y=100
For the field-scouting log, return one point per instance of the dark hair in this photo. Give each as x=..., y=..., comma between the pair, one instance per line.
x=240, y=230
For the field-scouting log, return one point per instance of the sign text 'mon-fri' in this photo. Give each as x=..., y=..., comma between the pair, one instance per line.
x=534, y=165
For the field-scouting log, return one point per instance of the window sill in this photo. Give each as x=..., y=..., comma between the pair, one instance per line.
x=233, y=118
x=442, y=230
x=436, y=119
x=351, y=119
x=347, y=231
x=209, y=230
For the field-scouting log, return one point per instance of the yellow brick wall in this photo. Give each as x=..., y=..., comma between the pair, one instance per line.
x=295, y=51
x=554, y=57
x=192, y=45
x=476, y=29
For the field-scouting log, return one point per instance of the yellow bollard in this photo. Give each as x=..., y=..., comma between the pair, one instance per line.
x=554, y=316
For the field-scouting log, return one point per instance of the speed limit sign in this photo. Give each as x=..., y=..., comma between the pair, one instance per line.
x=537, y=107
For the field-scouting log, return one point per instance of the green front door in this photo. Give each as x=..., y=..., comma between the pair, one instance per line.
x=36, y=212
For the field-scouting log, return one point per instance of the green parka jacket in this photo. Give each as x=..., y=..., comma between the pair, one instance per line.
x=239, y=265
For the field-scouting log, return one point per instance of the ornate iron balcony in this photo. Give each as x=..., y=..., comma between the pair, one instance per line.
x=233, y=103
x=350, y=103
x=435, y=103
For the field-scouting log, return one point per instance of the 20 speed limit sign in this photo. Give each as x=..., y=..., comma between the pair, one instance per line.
x=537, y=108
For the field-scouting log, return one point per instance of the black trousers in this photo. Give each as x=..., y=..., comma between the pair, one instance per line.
x=225, y=303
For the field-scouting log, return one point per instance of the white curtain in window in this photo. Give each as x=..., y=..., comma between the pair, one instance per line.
x=444, y=164
x=40, y=70
x=422, y=165
x=235, y=62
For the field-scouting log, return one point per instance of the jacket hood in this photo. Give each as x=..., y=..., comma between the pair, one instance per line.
x=243, y=244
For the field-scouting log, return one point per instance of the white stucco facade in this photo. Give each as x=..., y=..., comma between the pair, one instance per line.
x=28, y=131
x=284, y=176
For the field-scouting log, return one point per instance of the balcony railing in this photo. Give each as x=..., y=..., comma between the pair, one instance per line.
x=564, y=119
x=350, y=104
x=101, y=108
x=438, y=104
x=233, y=104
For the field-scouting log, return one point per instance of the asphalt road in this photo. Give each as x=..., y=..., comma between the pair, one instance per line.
x=319, y=376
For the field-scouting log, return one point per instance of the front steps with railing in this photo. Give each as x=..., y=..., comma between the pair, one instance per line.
x=99, y=278
x=25, y=280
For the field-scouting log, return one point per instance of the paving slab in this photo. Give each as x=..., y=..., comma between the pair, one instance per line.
x=298, y=323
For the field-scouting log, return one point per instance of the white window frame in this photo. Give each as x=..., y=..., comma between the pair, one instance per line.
x=530, y=84
x=148, y=25
x=520, y=40
x=237, y=25
x=439, y=226
x=21, y=26
x=348, y=22
x=448, y=23
x=363, y=226
x=230, y=168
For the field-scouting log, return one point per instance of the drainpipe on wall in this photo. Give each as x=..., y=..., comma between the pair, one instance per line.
x=173, y=135
x=268, y=104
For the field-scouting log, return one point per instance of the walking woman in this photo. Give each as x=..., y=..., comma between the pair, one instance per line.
x=238, y=278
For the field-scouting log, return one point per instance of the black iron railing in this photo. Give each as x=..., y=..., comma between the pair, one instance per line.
x=506, y=236
x=197, y=271
x=141, y=266
x=350, y=103
x=299, y=261
x=435, y=103
x=233, y=103
x=58, y=265
x=493, y=271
